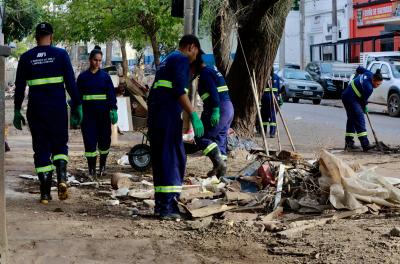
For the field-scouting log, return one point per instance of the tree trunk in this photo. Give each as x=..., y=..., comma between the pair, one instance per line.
x=155, y=47
x=260, y=27
x=109, y=46
x=221, y=31
x=124, y=58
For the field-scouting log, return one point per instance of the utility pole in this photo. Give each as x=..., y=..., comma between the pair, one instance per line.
x=334, y=28
x=4, y=52
x=282, y=51
x=302, y=26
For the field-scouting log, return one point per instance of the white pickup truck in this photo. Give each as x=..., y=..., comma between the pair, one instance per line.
x=389, y=92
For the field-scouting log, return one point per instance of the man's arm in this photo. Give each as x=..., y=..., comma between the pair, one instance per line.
x=186, y=104
x=20, y=84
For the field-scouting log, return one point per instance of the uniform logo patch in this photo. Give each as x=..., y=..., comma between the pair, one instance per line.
x=41, y=55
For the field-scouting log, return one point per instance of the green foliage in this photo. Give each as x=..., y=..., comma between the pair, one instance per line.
x=21, y=18
x=210, y=11
x=21, y=47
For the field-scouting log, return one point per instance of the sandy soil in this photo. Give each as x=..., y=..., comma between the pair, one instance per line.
x=85, y=230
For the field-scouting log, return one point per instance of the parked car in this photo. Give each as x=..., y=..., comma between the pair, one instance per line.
x=334, y=76
x=297, y=84
x=389, y=92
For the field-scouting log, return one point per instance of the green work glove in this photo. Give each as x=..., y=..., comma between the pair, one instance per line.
x=197, y=125
x=280, y=101
x=19, y=120
x=114, y=116
x=215, y=116
x=366, y=109
x=77, y=116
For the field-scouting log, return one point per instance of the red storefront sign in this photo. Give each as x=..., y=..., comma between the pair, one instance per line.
x=372, y=14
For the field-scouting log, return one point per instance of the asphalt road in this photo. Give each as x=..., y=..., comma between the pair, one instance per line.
x=320, y=126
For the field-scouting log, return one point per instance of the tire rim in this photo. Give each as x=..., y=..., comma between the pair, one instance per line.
x=141, y=157
x=393, y=105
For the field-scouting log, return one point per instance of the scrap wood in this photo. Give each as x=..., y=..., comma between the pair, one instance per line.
x=208, y=210
x=289, y=155
x=238, y=197
x=273, y=215
x=278, y=195
x=299, y=226
x=187, y=196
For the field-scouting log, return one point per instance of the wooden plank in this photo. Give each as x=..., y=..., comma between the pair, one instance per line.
x=211, y=210
x=278, y=195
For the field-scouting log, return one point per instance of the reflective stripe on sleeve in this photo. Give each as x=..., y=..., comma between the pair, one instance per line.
x=205, y=96
x=222, y=89
x=269, y=89
x=94, y=97
x=210, y=148
x=163, y=83
x=167, y=189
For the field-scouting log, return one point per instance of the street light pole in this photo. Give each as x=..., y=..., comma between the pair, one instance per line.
x=334, y=28
x=302, y=25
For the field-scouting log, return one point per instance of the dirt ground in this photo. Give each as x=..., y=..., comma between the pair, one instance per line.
x=85, y=230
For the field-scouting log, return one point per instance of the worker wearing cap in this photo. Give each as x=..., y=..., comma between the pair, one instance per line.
x=268, y=112
x=217, y=116
x=99, y=111
x=355, y=100
x=166, y=100
x=48, y=72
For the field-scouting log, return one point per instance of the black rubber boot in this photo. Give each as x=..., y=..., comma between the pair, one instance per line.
x=103, y=161
x=92, y=166
x=349, y=146
x=45, y=179
x=367, y=148
x=219, y=165
x=61, y=168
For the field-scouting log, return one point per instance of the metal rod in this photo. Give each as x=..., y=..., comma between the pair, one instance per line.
x=254, y=89
x=196, y=15
x=284, y=123
x=276, y=121
x=373, y=132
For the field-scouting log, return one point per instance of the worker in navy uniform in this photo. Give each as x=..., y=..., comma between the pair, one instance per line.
x=268, y=111
x=166, y=100
x=99, y=111
x=48, y=72
x=355, y=100
x=217, y=116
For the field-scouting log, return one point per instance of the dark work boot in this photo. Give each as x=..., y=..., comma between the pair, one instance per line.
x=45, y=179
x=368, y=147
x=103, y=161
x=349, y=146
x=61, y=169
x=92, y=167
x=219, y=165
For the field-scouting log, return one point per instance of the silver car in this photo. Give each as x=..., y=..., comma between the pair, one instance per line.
x=297, y=84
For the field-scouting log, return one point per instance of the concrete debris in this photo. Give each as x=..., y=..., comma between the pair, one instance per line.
x=395, y=232
x=123, y=161
x=29, y=177
x=121, y=180
x=200, y=224
x=149, y=203
x=141, y=194
x=121, y=192
x=299, y=252
x=112, y=202
x=239, y=217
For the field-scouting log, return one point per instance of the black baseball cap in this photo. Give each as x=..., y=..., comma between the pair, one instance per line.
x=189, y=40
x=44, y=29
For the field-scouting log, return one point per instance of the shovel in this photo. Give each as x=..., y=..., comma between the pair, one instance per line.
x=379, y=144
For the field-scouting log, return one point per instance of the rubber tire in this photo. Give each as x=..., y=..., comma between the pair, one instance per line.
x=284, y=97
x=144, y=150
x=316, y=101
x=296, y=100
x=395, y=97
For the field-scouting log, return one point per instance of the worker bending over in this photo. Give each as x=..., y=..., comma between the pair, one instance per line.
x=268, y=111
x=355, y=100
x=99, y=111
x=217, y=116
x=48, y=71
x=166, y=100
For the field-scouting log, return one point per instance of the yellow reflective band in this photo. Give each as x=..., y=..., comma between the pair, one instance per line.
x=222, y=89
x=92, y=97
x=224, y=157
x=205, y=96
x=163, y=83
x=362, y=134
x=50, y=80
x=60, y=157
x=45, y=169
x=350, y=134
x=186, y=90
x=103, y=152
x=90, y=154
x=167, y=189
x=272, y=124
x=265, y=123
x=353, y=85
x=210, y=148
x=269, y=89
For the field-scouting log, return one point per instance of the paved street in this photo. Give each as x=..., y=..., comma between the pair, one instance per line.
x=317, y=126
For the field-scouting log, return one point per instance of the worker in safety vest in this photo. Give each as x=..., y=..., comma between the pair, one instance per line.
x=48, y=72
x=99, y=111
x=268, y=111
x=355, y=100
x=166, y=100
x=217, y=116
